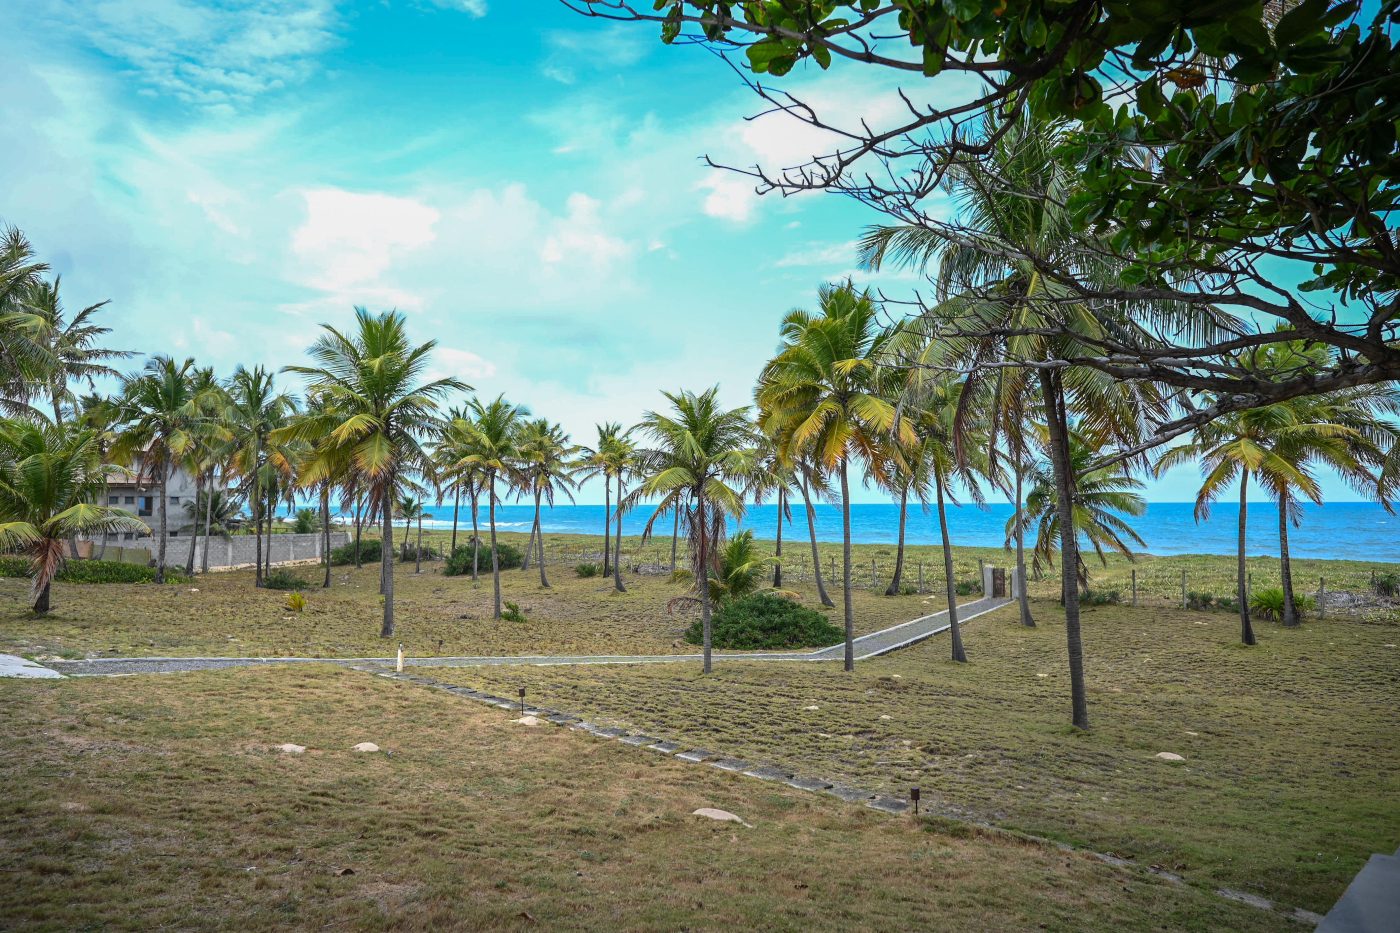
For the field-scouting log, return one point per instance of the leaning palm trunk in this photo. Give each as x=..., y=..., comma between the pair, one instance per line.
x=617, y=561
x=418, y=548
x=778, y=548
x=326, y=534
x=1241, y=584
x=675, y=535
x=702, y=576
x=194, y=527
x=271, y=517
x=160, y=545
x=1290, y=604
x=847, y=608
x=1021, y=595
x=456, y=506
x=386, y=559
x=539, y=532
x=475, y=493
x=607, y=524
x=959, y=654
x=1069, y=544
x=816, y=555
x=359, y=525
x=257, y=538
x=893, y=588
x=495, y=557
x=208, y=521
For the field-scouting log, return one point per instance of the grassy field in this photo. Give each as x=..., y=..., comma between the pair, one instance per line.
x=224, y=614
x=136, y=803
x=1292, y=758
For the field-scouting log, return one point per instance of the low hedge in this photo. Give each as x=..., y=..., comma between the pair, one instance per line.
x=766, y=620
x=94, y=571
x=460, y=563
x=370, y=553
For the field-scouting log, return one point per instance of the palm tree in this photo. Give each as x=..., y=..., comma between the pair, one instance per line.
x=24, y=360
x=492, y=435
x=1102, y=496
x=50, y=479
x=211, y=442
x=603, y=460
x=821, y=395
x=255, y=409
x=701, y=452
x=546, y=467
x=71, y=348
x=163, y=416
x=772, y=476
x=377, y=411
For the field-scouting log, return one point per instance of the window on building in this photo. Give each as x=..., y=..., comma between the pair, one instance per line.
x=130, y=500
x=145, y=505
x=174, y=500
x=114, y=500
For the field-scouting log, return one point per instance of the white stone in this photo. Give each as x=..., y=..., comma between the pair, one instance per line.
x=1189, y=732
x=723, y=816
x=366, y=747
x=810, y=709
x=896, y=677
x=883, y=716
x=1169, y=756
x=291, y=748
x=1042, y=675
x=527, y=720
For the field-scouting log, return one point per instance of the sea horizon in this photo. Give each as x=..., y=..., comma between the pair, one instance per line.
x=1337, y=530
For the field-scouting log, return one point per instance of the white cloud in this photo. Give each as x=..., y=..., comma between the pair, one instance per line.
x=618, y=45
x=459, y=364
x=349, y=239
x=731, y=197
x=580, y=235
x=818, y=254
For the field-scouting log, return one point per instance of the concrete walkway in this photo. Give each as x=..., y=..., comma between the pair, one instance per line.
x=866, y=646
x=11, y=666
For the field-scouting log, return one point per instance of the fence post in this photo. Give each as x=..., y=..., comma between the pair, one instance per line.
x=921, y=576
x=831, y=566
x=874, y=576
x=1322, y=598
x=1134, y=587
x=1183, y=587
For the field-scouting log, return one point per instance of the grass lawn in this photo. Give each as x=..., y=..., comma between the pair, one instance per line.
x=1292, y=767
x=146, y=802
x=224, y=614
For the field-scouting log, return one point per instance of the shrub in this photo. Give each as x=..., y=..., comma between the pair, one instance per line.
x=1209, y=602
x=284, y=580
x=409, y=553
x=306, y=522
x=1268, y=602
x=296, y=602
x=766, y=620
x=460, y=563
x=94, y=571
x=589, y=570
x=1388, y=584
x=1101, y=598
x=512, y=613
x=967, y=588
x=345, y=554
x=908, y=589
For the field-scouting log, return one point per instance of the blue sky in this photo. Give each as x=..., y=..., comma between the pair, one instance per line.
x=526, y=184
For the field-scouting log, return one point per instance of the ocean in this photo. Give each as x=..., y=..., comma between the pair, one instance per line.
x=1340, y=530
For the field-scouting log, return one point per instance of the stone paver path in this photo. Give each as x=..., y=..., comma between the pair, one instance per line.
x=11, y=666
x=866, y=646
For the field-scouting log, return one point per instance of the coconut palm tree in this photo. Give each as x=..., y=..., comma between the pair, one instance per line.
x=492, y=435
x=1102, y=497
x=211, y=443
x=772, y=477
x=546, y=468
x=607, y=460
x=71, y=349
x=821, y=396
x=254, y=410
x=24, y=359
x=51, y=476
x=163, y=417
x=701, y=454
x=378, y=411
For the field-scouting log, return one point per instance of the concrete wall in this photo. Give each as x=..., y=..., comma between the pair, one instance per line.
x=233, y=551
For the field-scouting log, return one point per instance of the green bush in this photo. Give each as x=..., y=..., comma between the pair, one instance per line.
x=1388, y=584
x=460, y=563
x=1209, y=602
x=1101, y=598
x=370, y=553
x=589, y=570
x=408, y=553
x=94, y=571
x=766, y=620
x=306, y=521
x=967, y=588
x=296, y=602
x=284, y=580
x=512, y=613
x=1268, y=603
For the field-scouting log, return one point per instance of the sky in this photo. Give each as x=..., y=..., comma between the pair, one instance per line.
x=527, y=185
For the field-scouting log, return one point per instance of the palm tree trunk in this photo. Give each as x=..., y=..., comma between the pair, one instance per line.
x=160, y=545
x=326, y=534
x=194, y=526
x=456, y=505
x=1241, y=586
x=359, y=503
x=41, y=601
x=848, y=609
x=102, y=551
x=959, y=654
x=702, y=576
x=1022, y=596
x=778, y=547
x=1290, y=604
x=675, y=532
x=816, y=556
x=208, y=521
x=257, y=537
x=386, y=559
x=1069, y=544
x=893, y=588
x=529, y=554
x=271, y=515
x=539, y=532
x=607, y=524
x=418, y=548
x=495, y=557
x=617, y=561
x=475, y=493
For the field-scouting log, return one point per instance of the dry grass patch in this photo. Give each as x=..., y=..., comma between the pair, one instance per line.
x=159, y=801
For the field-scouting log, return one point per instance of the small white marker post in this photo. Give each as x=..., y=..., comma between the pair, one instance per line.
x=399, y=665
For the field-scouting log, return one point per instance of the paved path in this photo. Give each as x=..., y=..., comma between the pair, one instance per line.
x=866, y=646
x=11, y=666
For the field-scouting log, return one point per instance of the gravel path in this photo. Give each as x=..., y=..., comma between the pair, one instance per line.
x=866, y=646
